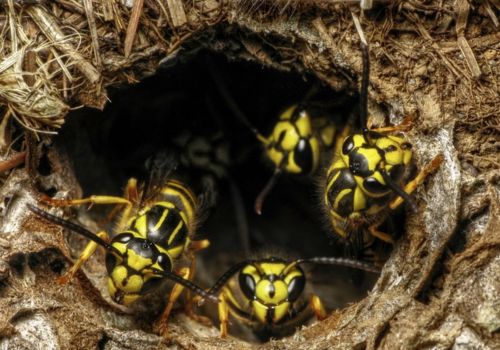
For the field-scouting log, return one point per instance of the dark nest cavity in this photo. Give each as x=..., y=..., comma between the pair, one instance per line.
x=182, y=102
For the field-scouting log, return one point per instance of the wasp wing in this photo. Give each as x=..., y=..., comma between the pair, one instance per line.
x=159, y=167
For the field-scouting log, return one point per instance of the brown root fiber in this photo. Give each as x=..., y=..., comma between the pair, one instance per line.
x=437, y=61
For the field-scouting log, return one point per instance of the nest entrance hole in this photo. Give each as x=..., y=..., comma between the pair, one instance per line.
x=106, y=148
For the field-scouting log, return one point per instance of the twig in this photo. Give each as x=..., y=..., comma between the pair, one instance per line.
x=491, y=13
x=53, y=32
x=107, y=10
x=89, y=11
x=12, y=24
x=479, y=43
x=325, y=36
x=132, y=26
x=462, y=15
x=454, y=69
x=177, y=13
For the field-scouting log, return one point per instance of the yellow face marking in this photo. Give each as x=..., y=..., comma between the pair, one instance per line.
x=136, y=261
x=358, y=140
x=265, y=286
x=133, y=285
x=373, y=157
x=272, y=268
x=260, y=311
x=291, y=167
x=119, y=274
x=252, y=271
x=303, y=124
x=121, y=247
x=292, y=274
x=290, y=139
x=392, y=157
x=281, y=311
x=274, y=156
x=314, y=143
x=161, y=220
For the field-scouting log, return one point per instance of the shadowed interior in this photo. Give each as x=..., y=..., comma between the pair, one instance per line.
x=108, y=147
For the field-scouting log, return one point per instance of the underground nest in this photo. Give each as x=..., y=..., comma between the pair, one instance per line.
x=438, y=62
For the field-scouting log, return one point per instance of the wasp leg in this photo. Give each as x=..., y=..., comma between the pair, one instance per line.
x=405, y=125
x=379, y=234
x=84, y=256
x=317, y=307
x=223, y=315
x=174, y=295
x=12, y=162
x=418, y=180
x=195, y=246
x=131, y=192
x=132, y=195
x=90, y=200
x=188, y=309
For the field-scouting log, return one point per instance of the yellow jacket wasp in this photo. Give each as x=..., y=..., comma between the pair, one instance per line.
x=296, y=143
x=268, y=292
x=152, y=234
x=369, y=172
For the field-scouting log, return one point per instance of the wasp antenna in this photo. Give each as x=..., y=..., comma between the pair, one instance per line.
x=73, y=227
x=188, y=284
x=394, y=186
x=365, y=78
x=231, y=103
x=259, y=201
x=227, y=275
x=355, y=264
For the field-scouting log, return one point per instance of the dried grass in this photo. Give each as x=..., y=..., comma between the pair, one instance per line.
x=65, y=53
